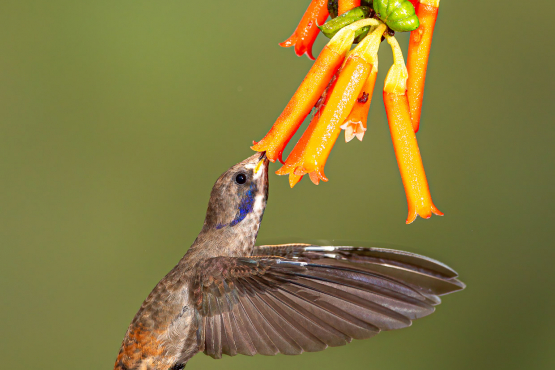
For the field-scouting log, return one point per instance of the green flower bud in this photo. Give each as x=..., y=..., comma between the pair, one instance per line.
x=399, y=15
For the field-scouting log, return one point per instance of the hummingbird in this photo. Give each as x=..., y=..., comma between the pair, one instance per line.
x=229, y=296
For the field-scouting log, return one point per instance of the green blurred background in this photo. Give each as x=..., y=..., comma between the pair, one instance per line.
x=116, y=117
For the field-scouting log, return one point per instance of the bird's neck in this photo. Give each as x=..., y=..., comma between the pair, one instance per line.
x=229, y=241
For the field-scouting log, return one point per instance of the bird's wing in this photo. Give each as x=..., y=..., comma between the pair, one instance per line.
x=308, y=297
x=421, y=272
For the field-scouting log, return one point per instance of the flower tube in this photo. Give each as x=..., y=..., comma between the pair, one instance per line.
x=346, y=5
x=417, y=58
x=294, y=160
x=405, y=145
x=308, y=93
x=306, y=32
x=350, y=81
x=355, y=124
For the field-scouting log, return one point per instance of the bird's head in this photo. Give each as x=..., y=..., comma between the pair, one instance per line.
x=239, y=196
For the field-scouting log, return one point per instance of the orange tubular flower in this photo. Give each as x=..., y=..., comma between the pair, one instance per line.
x=296, y=154
x=295, y=157
x=344, y=6
x=306, y=32
x=306, y=96
x=404, y=139
x=417, y=59
x=355, y=124
x=342, y=97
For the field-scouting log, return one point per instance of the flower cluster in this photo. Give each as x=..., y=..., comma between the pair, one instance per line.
x=340, y=83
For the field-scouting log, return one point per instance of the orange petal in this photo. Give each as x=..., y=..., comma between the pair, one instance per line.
x=306, y=32
x=314, y=178
x=294, y=179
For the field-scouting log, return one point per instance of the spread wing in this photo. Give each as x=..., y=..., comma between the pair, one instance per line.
x=298, y=297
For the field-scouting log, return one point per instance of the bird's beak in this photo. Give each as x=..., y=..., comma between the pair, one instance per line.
x=262, y=162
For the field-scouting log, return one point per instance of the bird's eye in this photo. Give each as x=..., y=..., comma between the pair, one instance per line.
x=241, y=178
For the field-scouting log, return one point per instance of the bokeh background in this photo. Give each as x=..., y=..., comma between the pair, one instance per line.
x=116, y=117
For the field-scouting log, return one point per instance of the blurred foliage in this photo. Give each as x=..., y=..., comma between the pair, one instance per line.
x=116, y=117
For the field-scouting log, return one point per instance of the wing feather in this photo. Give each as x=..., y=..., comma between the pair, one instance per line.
x=300, y=297
x=264, y=344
